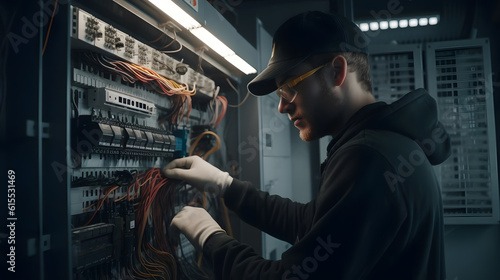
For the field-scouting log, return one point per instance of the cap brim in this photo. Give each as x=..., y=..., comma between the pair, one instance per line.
x=265, y=82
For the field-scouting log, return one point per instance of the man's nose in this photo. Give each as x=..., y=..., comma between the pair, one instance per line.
x=284, y=106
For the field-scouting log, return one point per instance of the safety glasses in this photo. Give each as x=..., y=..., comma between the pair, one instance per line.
x=287, y=91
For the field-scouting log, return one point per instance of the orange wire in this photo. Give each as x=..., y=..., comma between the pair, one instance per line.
x=50, y=27
x=101, y=202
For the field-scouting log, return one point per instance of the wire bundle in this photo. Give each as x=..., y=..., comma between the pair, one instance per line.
x=156, y=256
x=180, y=109
x=194, y=151
x=155, y=195
x=132, y=73
x=219, y=108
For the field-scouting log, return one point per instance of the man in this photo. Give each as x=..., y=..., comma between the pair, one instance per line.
x=378, y=214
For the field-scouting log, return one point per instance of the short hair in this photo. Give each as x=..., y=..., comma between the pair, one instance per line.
x=356, y=62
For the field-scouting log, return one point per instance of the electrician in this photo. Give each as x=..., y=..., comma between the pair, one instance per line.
x=378, y=214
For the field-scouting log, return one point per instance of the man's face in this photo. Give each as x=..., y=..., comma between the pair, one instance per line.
x=319, y=107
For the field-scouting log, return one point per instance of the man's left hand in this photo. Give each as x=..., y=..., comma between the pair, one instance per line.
x=196, y=224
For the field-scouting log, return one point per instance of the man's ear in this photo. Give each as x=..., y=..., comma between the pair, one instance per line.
x=339, y=64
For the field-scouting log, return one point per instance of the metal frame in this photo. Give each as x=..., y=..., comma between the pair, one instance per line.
x=56, y=150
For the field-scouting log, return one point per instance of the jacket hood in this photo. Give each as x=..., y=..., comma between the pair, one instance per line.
x=414, y=116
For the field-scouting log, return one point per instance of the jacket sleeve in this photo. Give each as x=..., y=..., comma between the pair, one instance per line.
x=277, y=216
x=348, y=238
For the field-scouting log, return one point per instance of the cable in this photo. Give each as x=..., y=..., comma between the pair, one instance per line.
x=198, y=139
x=241, y=103
x=73, y=102
x=223, y=103
x=99, y=204
x=237, y=92
x=163, y=34
x=169, y=44
x=50, y=26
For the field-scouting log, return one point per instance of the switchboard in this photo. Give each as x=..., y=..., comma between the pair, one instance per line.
x=134, y=108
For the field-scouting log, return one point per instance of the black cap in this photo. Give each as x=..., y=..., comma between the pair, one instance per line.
x=302, y=36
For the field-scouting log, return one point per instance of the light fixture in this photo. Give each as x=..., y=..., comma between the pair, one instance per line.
x=413, y=22
x=241, y=64
x=399, y=23
x=191, y=24
x=213, y=42
x=403, y=23
x=393, y=24
x=384, y=25
x=364, y=26
x=175, y=12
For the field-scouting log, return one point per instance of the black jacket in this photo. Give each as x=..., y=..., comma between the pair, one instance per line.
x=378, y=214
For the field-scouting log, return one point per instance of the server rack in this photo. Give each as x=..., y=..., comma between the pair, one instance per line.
x=459, y=78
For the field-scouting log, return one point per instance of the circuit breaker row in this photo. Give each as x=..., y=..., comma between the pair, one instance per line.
x=100, y=135
x=93, y=31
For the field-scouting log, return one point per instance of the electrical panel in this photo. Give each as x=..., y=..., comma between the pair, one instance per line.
x=395, y=71
x=459, y=78
x=104, y=36
x=134, y=108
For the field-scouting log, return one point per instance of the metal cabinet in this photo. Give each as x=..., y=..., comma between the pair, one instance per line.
x=459, y=78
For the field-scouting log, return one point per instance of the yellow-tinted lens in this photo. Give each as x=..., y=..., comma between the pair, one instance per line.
x=286, y=92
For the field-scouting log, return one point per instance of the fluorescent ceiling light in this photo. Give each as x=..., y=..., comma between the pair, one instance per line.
x=219, y=47
x=239, y=63
x=384, y=25
x=188, y=22
x=403, y=23
x=175, y=12
x=393, y=24
x=413, y=22
x=398, y=23
x=210, y=40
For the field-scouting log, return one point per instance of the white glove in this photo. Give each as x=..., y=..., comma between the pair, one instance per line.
x=196, y=224
x=198, y=173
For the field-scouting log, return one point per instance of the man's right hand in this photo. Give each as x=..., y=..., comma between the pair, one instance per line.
x=198, y=173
